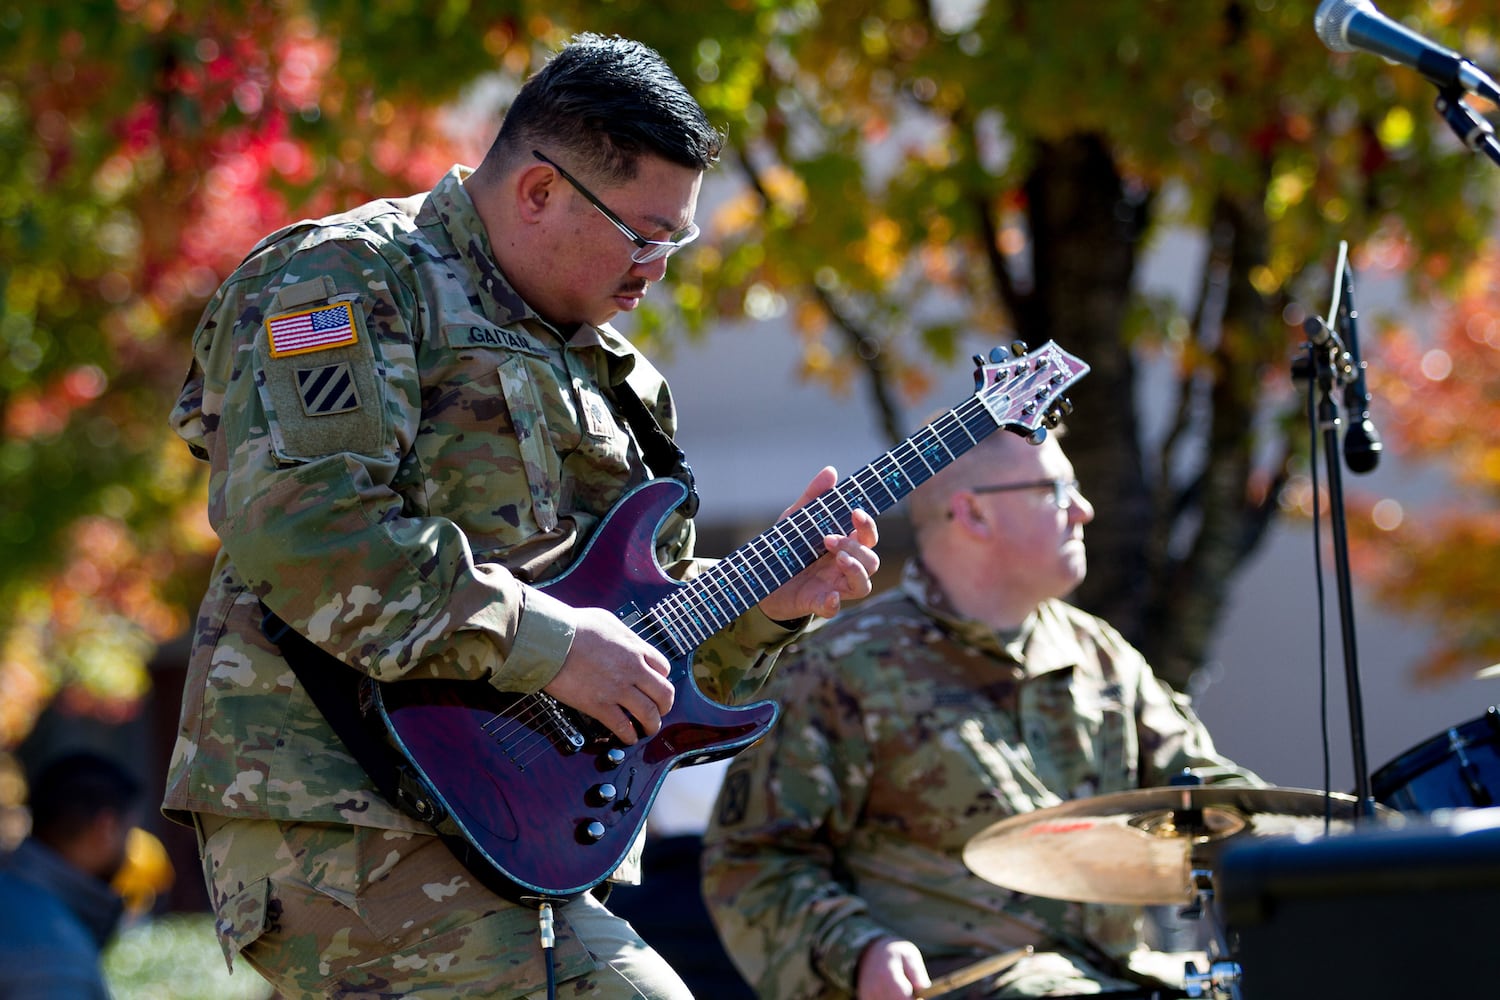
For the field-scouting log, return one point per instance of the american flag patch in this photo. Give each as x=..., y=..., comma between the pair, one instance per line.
x=312, y=330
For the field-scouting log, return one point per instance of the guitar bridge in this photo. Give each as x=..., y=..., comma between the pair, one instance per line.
x=569, y=737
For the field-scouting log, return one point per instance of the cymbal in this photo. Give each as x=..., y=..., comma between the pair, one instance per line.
x=1142, y=846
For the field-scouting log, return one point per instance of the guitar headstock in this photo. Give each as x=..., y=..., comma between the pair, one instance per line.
x=1023, y=389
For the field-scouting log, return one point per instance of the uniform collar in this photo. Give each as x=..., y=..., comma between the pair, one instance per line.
x=1045, y=642
x=500, y=302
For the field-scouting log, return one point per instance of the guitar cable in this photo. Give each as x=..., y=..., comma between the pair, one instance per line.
x=549, y=939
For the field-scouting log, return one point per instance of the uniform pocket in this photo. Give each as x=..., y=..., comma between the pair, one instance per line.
x=241, y=919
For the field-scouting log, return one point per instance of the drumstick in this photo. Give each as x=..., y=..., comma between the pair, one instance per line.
x=973, y=973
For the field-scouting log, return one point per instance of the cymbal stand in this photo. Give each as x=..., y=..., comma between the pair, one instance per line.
x=1222, y=977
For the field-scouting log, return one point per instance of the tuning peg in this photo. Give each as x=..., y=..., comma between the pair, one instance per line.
x=1065, y=405
x=998, y=355
x=978, y=371
x=1018, y=348
x=1037, y=436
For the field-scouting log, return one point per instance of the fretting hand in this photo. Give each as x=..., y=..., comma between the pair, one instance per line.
x=843, y=573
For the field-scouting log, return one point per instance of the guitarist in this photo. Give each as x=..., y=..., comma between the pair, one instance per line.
x=413, y=415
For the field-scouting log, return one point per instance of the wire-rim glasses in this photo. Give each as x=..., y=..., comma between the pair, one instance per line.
x=645, y=250
x=1063, y=490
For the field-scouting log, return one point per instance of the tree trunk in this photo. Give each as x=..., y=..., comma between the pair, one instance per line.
x=1168, y=536
x=1084, y=232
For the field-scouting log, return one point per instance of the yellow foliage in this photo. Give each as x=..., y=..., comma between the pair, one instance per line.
x=147, y=871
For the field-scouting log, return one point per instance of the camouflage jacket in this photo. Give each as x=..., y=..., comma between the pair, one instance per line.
x=907, y=731
x=399, y=448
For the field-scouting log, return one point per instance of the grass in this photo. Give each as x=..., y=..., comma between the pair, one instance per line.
x=177, y=957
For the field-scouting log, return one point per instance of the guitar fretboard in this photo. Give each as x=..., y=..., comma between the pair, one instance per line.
x=1018, y=392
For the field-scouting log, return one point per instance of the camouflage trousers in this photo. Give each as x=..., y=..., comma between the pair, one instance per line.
x=325, y=910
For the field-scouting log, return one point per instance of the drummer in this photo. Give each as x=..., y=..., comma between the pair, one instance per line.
x=833, y=860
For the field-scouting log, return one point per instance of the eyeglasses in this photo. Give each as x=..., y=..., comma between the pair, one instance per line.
x=1063, y=490
x=645, y=250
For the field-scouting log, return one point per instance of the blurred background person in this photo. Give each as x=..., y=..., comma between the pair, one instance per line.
x=57, y=907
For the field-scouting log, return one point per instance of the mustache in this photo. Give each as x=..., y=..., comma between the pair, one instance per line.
x=636, y=286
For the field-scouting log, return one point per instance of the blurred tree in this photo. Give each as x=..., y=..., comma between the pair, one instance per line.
x=146, y=146
x=906, y=173
x=1439, y=558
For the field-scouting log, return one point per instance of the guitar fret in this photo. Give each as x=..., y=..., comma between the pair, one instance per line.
x=683, y=622
x=923, y=459
x=759, y=566
x=785, y=552
x=730, y=606
x=870, y=473
x=830, y=525
x=893, y=479
x=854, y=482
x=913, y=473
x=660, y=636
x=734, y=563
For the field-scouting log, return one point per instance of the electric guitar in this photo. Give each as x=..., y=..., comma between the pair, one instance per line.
x=541, y=802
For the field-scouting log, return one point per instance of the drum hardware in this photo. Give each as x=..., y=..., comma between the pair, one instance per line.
x=970, y=974
x=1222, y=976
x=1153, y=846
x=1457, y=768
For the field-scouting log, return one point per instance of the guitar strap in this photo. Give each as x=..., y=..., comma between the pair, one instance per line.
x=339, y=692
x=345, y=698
x=663, y=456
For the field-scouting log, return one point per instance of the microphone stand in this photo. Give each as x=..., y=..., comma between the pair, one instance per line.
x=1470, y=127
x=1329, y=366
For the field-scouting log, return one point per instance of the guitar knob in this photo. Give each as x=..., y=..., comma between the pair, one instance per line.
x=601, y=795
x=615, y=756
x=591, y=832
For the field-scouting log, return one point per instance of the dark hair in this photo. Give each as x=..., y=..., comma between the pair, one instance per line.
x=71, y=791
x=605, y=101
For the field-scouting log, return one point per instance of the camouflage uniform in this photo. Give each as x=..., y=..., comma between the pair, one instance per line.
x=399, y=445
x=908, y=730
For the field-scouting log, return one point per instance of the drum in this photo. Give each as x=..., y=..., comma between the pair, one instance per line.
x=1456, y=768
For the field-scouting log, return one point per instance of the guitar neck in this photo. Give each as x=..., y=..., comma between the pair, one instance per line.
x=1017, y=392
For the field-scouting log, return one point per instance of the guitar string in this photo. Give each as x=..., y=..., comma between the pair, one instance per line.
x=952, y=422
x=539, y=712
x=676, y=609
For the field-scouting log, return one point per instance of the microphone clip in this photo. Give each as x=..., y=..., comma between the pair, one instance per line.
x=1325, y=353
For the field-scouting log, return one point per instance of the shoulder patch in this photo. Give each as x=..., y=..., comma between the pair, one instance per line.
x=309, y=330
x=327, y=389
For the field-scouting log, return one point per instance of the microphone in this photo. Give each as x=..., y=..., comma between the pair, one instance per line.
x=1346, y=25
x=1362, y=445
